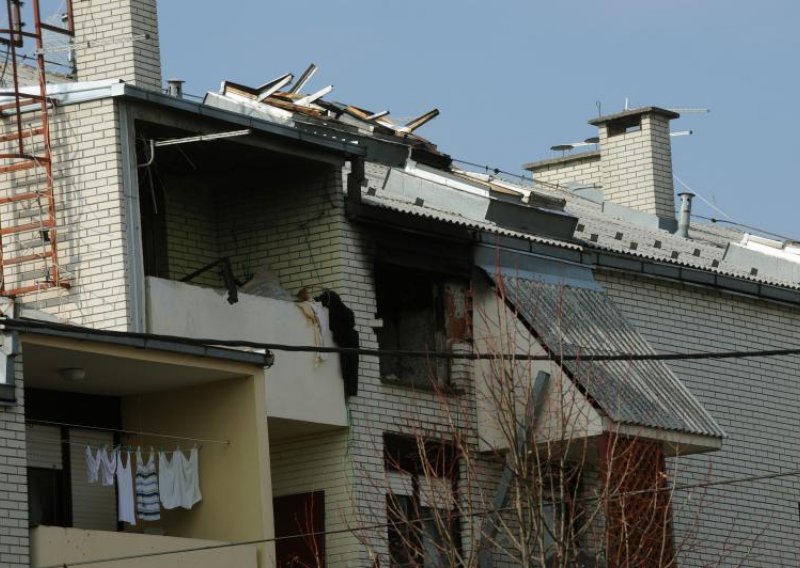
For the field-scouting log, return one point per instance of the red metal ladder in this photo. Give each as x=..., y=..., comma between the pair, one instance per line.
x=28, y=234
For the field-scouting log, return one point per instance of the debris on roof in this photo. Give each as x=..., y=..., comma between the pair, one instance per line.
x=283, y=96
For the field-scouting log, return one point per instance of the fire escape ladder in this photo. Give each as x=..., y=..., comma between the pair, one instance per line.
x=28, y=229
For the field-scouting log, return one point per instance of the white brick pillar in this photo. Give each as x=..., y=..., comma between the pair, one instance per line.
x=118, y=39
x=14, y=531
x=636, y=160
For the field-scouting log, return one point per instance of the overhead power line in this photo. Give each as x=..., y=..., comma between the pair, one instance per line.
x=456, y=515
x=23, y=325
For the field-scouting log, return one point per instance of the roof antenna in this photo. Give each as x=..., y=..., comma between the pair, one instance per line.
x=626, y=103
x=599, y=106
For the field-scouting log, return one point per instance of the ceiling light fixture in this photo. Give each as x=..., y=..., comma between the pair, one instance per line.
x=72, y=374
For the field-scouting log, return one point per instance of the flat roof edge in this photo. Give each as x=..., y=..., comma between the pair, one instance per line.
x=578, y=157
x=164, y=343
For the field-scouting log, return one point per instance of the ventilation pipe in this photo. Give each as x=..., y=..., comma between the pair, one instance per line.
x=686, y=213
x=175, y=88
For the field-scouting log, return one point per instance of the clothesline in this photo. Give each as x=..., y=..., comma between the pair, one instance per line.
x=131, y=432
x=119, y=446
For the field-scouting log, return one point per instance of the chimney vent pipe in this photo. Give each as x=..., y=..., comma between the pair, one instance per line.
x=175, y=88
x=686, y=213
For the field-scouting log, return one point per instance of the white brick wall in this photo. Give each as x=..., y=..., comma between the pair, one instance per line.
x=14, y=544
x=118, y=39
x=90, y=222
x=756, y=400
x=300, y=230
x=636, y=167
x=585, y=171
x=191, y=227
x=320, y=463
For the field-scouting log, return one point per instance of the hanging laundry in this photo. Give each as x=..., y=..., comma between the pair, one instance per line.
x=125, y=506
x=323, y=323
x=312, y=312
x=92, y=465
x=343, y=326
x=108, y=465
x=147, y=501
x=179, y=479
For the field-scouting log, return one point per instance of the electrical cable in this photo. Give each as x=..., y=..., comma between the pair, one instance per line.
x=456, y=515
x=521, y=177
x=24, y=324
x=750, y=227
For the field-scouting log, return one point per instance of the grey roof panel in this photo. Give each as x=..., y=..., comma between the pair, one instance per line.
x=428, y=212
x=581, y=321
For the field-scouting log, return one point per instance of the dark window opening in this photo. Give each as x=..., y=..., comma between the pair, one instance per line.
x=624, y=125
x=47, y=498
x=411, y=305
x=58, y=491
x=562, y=513
x=301, y=517
x=153, y=206
x=423, y=523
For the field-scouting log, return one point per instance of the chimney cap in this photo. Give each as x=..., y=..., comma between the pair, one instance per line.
x=634, y=112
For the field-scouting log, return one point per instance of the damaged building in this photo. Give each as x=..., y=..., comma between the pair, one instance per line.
x=362, y=342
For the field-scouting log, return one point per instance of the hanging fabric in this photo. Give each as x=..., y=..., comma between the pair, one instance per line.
x=147, y=500
x=108, y=466
x=312, y=310
x=179, y=479
x=342, y=324
x=92, y=465
x=125, y=506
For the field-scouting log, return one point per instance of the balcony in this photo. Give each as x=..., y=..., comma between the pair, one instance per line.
x=90, y=388
x=304, y=395
x=52, y=546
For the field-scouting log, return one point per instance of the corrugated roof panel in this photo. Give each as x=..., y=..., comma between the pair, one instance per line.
x=580, y=322
x=427, y=212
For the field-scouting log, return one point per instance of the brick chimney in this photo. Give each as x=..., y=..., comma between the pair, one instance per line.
x=117, y=39
x=636, y=162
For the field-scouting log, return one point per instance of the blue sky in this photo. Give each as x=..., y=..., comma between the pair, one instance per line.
x=513, y=78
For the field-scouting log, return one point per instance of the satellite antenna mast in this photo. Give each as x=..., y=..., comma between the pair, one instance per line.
x=691, y=110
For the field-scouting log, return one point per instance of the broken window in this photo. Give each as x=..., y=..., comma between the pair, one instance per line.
x=411, y=305
x=422, y=518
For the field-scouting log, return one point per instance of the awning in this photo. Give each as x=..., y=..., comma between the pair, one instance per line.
x=581, y=322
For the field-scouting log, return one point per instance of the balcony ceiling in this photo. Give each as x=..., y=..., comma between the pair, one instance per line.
x=112, y=374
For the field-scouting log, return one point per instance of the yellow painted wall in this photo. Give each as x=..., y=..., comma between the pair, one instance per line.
x=51, y=546
x=234, y=480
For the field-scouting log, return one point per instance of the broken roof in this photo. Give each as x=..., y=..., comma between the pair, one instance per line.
x=282, y=95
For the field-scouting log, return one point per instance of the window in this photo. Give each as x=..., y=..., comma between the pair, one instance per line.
x=562, y=515
x=420, y=503
x=302, y=517
x=58, y=491
x=47, y=501
x=411, y=305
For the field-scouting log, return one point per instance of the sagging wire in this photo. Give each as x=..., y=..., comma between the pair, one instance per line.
x=484, y=512
x=24, y=324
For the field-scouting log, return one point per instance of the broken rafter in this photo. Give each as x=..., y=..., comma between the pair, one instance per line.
x=308, y=99
x=304, y=78
x=415, y=123
x=267, y=89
